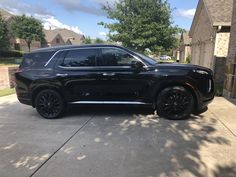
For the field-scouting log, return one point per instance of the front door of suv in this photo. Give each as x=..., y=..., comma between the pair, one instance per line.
x=79, y=76
x=119, y=80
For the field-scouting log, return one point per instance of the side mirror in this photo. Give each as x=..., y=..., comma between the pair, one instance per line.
x=137, y=65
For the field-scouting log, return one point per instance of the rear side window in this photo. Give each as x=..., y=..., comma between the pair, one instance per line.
x=36, y=60
x=80, y=58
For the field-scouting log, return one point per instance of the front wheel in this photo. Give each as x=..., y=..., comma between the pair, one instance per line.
x=175, y=103
x=49, y=104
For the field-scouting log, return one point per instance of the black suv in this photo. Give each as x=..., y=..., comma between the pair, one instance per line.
x=50, y=79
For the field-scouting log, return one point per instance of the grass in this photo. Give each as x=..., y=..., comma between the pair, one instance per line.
x=166, y=61
x=10, y=61
x=7, y=91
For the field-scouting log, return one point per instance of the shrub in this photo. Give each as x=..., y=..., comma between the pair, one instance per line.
x=13, y=53
x=188, y=59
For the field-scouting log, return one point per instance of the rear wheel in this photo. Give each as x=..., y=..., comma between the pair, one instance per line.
x=49, y=104
x=175, y=103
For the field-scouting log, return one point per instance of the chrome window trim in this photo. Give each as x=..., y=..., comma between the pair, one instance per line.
x=61, y=50
x=94, y=67
x=109, y=102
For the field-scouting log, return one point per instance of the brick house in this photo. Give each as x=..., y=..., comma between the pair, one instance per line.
x=210, y=32
x=61, y=37
x=70, y=37
x=184, y=48
x=230, y=71
x=52, y=38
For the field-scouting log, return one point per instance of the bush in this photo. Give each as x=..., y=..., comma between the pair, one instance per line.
x=13, y=53
x=188, y=59
x=218, y=89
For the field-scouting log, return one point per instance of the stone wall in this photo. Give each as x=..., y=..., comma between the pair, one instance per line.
x=230, y=71
x=222, y=44
x=7, y=78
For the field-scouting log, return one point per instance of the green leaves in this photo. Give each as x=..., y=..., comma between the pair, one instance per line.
x=142, y=24
x=4, y=35
x=27, y=28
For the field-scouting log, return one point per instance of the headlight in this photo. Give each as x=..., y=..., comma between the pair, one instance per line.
x=200, y=72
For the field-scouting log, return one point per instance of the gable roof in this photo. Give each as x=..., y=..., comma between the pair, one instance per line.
x=185, y=38
x=50, y=35
x=6, y=15
x=72, y=36
x=219, y=12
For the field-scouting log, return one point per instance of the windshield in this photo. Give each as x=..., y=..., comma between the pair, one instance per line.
x=147, y=59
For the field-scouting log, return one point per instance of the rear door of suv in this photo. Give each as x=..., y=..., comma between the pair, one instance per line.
x=78, y=74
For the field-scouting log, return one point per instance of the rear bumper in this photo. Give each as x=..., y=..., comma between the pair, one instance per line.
x=23, y=96
x=25, y=101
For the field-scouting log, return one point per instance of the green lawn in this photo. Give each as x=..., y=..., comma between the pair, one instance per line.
x=10, y=61
x=166, y=61
x=7, y=91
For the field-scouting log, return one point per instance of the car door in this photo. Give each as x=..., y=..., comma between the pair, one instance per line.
x=120, y=81
x=79, y=76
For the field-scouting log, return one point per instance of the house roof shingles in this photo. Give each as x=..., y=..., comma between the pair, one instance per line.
x=6, y=15
x=72, y=36
x=220, y=11
x=50, y=35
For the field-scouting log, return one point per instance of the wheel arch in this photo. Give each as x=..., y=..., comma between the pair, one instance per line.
x=37, y=90
x=186, y=85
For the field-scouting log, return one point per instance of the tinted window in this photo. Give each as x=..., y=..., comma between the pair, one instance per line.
x=81, y=57
x=36, y=60
x=115, y=57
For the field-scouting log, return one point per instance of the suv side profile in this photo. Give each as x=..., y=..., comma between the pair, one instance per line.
x=50, y=79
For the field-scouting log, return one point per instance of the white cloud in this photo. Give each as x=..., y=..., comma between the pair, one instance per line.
x=93, y=8
x=188, y=13
x=50, y=22
x=102, y=33
x=17, y=7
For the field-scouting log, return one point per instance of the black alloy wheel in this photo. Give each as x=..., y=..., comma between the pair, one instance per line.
x=175, y=103
x=49, y=104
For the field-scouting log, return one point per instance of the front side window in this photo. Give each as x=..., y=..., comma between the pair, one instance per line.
x=115, y=57
x=80, y=58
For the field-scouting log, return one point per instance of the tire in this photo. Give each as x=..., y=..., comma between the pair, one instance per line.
x=49, y=104
x=175, y=103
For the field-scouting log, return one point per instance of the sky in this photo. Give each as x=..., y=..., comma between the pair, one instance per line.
x=83, y=16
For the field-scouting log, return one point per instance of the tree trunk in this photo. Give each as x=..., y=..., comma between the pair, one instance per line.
x=29, y=44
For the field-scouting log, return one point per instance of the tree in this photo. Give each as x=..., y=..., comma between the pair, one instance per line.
x=99, y=41
x=27, y=28
x=141, y=24
x=87, y=40
x=4, y=35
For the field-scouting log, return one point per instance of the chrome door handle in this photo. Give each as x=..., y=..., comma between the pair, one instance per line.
x=61, y=75
x=108, y=74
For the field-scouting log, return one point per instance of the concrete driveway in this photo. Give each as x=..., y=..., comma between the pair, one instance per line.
x=116, y=141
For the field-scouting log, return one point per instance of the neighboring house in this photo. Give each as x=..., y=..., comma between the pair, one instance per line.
x=210, y=32
x=176, y=53
x=71, y=37
x=230, y=71
x=52, y=38
x=184, y=48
